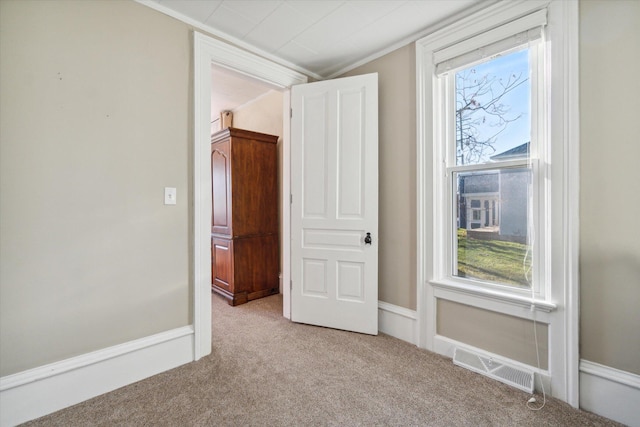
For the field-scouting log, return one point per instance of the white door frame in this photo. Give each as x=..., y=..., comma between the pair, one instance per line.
x=208, y=51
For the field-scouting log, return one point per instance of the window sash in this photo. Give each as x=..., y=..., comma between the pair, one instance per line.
x=451, y=261
x=537, y=203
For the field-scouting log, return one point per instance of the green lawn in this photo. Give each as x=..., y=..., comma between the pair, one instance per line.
x=492, y=260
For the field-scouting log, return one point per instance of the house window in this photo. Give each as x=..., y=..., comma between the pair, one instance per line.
x=490, y=120
x=534, y=184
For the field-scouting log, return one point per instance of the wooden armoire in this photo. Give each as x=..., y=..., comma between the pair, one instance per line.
x=244, y=223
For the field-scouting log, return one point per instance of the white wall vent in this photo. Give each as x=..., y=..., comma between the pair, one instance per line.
x=493, y=368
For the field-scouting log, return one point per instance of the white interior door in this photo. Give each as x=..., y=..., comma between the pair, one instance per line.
x=334, y=187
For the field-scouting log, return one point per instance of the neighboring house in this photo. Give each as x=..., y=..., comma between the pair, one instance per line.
x=515, y=153
x=496, y=201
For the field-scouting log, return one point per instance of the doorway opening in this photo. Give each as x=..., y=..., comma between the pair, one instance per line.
x=247, y=120
x=207, y=52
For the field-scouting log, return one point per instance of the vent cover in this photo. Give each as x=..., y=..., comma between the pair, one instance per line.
x=493, y=368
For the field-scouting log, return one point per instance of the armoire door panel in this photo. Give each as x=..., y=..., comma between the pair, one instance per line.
x=222, y=263
x=255, y=187
x=256, y=266
x=221, y=219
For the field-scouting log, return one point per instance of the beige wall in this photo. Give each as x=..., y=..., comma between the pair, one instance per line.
x=397, y=174
x=609, y=197
x=498, y=333
x=94, y=122
x=263, y=114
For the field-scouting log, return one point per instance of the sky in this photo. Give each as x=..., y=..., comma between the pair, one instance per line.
x=519, y=131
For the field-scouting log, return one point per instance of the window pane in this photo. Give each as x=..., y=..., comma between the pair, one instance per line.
x=492, y=241
x=493, y=110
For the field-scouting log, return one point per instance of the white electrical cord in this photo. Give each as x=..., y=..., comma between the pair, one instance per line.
x=533, y=400
x=527, y=276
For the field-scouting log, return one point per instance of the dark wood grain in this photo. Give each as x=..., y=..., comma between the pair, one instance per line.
x=221, y=218
x=244, y=223
x=222, y=263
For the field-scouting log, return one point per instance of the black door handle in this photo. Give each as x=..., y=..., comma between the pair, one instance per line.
x=367, y=239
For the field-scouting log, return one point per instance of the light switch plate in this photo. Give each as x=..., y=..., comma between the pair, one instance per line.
x=169, y=196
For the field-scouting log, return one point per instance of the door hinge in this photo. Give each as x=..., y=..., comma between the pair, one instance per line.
x=291, y=112
x=290, y=285
x=290, y=199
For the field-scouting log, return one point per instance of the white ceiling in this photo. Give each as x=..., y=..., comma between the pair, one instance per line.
x=320, y=38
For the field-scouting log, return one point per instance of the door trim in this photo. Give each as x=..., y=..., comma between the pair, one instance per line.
x=208, y=51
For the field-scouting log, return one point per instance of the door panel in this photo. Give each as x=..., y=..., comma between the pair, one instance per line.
x=334, y=164
x=351, y=155
x=315, y=157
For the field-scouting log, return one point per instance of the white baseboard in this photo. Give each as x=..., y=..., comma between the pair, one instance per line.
x=399, y=322
x=610, y=392
x=446, y=347
x=40, y=391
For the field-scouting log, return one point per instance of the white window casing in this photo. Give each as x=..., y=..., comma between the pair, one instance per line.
x=464, y=54
x=550, y=29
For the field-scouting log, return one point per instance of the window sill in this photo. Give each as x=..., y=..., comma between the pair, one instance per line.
x=478, y=296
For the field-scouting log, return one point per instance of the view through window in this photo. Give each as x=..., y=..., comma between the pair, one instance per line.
x=492, y=176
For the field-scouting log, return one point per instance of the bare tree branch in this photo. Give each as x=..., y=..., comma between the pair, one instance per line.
x=479, y=107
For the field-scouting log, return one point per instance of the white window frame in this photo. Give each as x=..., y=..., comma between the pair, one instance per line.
x=557, y=303
x=465, y=54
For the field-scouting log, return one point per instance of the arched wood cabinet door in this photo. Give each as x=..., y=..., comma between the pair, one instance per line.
x=221, y=219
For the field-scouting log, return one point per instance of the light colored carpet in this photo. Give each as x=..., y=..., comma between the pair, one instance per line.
x=267, y=371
